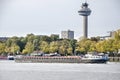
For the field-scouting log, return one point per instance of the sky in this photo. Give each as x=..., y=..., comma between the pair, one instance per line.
x=46, y=17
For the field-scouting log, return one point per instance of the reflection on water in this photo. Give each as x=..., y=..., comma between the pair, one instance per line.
x=9, y=70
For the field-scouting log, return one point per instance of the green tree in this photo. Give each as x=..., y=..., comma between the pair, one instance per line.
x=30, y=37
x=93, y=46
x=2, y=48
x=64, y=47
x=108, y=45
x=29, y=48
x=54, y=37
x=21, y=43
x=12, y=45
x=54, y=47
x=15, y=48
x=69, y=51
x=36, y=44
x=73, y=46
x=99, y=46
x=44, y=46
x=105, y=46
x=46, y=38
x=8, y=42
x=83, y=46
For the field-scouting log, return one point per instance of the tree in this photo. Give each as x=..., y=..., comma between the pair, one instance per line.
x=44, y=46
x=15, y=48
x=54, y=37
x=54, y=47
x=69, y=51
x=21, y=43
x=8, y=42
x=108, y=45
x=36, y=44
x=2, y=48
x=105, y=46
x=30, y=37
x=46, y=38
x=12, y=45
x=99, y=46
x=83, y=46
x=93, y=46
x=64, y=47
x=73, y=45
x=29, y=48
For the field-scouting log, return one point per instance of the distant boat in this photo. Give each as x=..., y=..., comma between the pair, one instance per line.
x=10, y=57
x=95, y=58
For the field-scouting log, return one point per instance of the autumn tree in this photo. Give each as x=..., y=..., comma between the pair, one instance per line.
x=83, y=46
x=65, y=47
x=44, y=46
x=2, y=48
x=29, y=48
x=54, y=46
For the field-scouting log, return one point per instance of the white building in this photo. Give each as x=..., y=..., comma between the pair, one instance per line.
x=67, y=34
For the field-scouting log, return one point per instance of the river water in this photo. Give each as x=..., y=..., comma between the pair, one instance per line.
x=9, y=70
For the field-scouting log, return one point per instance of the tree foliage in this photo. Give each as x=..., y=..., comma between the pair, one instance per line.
x=29, y=48
x=52, y=44
x=2, y=48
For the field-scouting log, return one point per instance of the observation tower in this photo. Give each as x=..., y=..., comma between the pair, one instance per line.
x=85, y=12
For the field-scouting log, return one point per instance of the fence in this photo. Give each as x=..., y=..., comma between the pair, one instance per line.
x=114, y=59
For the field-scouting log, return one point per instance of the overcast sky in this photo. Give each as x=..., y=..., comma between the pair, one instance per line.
x=46, y=17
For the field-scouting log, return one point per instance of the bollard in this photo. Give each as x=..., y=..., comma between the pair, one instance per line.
x=118, y=59
x=113, y=59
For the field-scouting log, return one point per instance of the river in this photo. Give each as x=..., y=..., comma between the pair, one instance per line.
x=9, y=70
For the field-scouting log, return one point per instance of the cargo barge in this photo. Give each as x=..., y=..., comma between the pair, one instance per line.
x=62, y=59
x=45, y=59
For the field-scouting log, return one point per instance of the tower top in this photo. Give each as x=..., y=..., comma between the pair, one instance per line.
x=84, y=11
x=85, y=4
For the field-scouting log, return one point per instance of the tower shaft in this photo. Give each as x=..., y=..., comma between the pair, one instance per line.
x=85, y=26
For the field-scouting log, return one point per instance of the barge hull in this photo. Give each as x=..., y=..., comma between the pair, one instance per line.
x=69, y=59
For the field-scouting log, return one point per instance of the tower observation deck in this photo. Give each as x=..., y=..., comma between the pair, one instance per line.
x=85, y=12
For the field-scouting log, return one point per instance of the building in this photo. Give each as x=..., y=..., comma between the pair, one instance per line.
x=113, y=33
x=3, y=38
x=67, y=34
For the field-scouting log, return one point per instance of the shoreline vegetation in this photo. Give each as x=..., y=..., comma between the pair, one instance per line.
x=65, y=47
